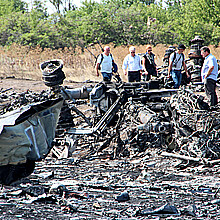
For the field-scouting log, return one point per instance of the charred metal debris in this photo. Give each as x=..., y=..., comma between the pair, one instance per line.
x=111, y=151
x=130, y=118
x=111, y=119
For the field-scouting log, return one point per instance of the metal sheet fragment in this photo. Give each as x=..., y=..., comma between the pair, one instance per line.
x=27, y=133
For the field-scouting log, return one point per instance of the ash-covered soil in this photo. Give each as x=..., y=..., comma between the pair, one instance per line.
x=145, y=185
x=22, y=85
x=90, y=189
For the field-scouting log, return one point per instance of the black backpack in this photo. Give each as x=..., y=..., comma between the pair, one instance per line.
x=174, y=57
x=114, y=65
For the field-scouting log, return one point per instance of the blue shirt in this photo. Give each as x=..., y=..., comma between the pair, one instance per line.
x=210, y=61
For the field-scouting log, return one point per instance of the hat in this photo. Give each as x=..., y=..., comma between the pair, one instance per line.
x=181, y=46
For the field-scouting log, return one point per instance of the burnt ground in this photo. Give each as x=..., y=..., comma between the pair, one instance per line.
x=22, y=85
x=87, y=187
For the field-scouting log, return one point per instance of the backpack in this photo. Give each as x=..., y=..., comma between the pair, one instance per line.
x=114, y=65
x=174, y=57
x=168, y=52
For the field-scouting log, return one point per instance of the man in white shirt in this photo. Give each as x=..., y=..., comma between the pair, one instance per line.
x=209, y=75
x=104, y=64
x=132, y=66
x=177, y=60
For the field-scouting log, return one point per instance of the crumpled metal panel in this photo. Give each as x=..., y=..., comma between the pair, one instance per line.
x=28, y=132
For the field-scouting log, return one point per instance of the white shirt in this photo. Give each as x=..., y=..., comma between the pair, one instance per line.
x=106, y=64
x=132, y=63
x=210, y=61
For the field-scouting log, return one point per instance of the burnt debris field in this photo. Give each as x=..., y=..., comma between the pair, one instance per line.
x=120, y=151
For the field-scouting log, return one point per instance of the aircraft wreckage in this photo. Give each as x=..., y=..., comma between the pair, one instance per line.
x=129, y=117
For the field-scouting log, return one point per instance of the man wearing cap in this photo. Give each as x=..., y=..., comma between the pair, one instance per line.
x=177, y=60
x=209, y=75
x=132, y=64
x=149, y=65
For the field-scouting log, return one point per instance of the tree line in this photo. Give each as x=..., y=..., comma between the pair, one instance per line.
x=122, y=22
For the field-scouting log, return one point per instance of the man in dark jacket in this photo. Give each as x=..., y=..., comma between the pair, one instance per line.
x=149, y=65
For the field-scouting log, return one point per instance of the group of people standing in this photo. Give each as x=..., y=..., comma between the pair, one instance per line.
x=133, y=66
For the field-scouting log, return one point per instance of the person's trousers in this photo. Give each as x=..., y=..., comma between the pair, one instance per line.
x=106, y=76
x=210, y=86
x=177, y=77
x=134, y=76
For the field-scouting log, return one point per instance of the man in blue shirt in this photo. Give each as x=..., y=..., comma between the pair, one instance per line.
x=209, y=75
x=132, y=64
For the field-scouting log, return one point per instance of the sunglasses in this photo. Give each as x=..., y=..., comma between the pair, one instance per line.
x=149, y=50
x=132, y=52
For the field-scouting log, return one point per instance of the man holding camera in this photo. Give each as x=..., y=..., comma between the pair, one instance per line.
x=177, y=60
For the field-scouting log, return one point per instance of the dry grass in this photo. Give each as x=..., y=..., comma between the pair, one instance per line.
x=23, y=61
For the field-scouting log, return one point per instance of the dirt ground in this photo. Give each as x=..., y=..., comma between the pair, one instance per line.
x=22, y=85
x=78, y=65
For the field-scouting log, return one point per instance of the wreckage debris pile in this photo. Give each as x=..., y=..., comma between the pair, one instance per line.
x=182, y=123
x=197, y=131
x=122, y=173
x=11, y=100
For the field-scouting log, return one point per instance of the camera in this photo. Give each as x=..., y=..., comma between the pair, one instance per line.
x=174, y=65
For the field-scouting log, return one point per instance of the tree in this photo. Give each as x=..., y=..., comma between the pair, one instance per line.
x=200, y=17
x=57, y=4
x=63, y=6
x=122, y=22
x=9, y=6
x=39, y=6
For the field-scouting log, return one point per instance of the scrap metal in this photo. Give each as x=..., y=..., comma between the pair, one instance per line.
x=166, y=143
x=124, y=119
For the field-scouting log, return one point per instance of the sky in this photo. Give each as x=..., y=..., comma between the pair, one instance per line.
x=51, y=8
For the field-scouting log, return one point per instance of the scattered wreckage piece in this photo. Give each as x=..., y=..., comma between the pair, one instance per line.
x=10, y=100
x=204, y=161
x=197, y=129
x=182, y=157
x=195, y=62
x=107, y=189
x=26, y=135
x=53, y=74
